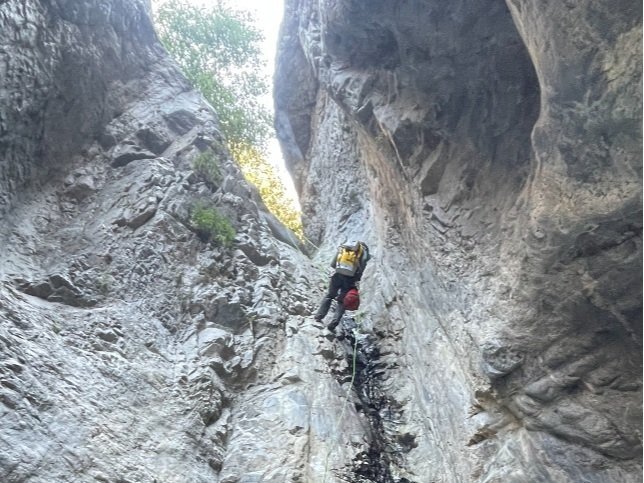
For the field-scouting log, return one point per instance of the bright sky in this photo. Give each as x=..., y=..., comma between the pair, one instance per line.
x=268, y=14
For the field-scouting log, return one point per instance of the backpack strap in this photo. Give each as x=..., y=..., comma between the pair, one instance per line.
x=365, y=251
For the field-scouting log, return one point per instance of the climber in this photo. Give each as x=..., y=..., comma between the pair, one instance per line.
x=349, y=263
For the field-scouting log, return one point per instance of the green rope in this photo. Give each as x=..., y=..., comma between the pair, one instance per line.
x=346, y=397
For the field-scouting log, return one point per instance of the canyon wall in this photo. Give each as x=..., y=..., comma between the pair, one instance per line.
x=490, y=153
x=487, y=152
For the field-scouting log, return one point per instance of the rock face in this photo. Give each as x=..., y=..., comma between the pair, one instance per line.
x=490, y=153
x=130, y=350
x=487, y=153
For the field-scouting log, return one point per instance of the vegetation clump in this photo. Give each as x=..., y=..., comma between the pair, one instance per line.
x=211, y=225
x=207, y=168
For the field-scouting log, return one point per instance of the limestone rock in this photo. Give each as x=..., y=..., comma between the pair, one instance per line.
x=130, y=350
x=487, y=152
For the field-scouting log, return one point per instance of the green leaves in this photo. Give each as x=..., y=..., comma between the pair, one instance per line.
x=264, y=176
x=207, y=167
x=211, y=225
x=218, y=50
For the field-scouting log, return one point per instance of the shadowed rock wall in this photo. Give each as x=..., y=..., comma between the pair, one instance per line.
x=56, y=96
x=490, y=155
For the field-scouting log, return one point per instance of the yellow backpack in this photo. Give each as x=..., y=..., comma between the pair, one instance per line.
x=348, y=258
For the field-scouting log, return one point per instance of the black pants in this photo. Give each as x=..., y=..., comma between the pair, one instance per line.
x=338, y=283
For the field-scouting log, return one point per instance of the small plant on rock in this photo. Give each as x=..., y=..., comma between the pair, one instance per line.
x=207, y=167
x=104, y=283
x=211, y=225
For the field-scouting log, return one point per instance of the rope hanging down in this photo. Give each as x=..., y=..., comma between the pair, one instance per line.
x=354, y=357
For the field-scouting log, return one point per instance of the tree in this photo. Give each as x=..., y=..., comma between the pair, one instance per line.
x=264, y=176
x=217, y=47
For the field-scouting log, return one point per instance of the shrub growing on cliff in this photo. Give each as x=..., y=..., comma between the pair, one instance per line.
x=211, y=225
x=207, y=167
x=217, y=47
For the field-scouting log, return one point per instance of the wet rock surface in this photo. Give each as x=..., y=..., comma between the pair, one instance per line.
x=382, y=461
